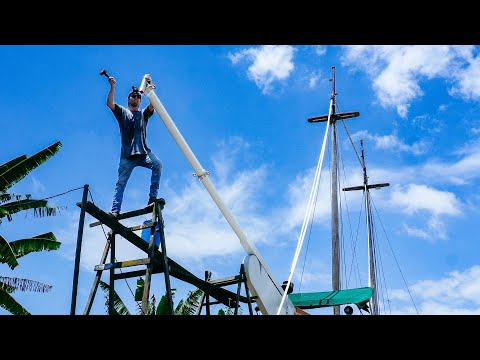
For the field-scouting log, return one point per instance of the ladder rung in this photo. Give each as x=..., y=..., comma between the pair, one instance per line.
x=126, y=215
x=122, y=264
x=140, y=227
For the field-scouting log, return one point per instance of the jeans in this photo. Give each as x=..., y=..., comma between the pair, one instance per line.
x=125, y=168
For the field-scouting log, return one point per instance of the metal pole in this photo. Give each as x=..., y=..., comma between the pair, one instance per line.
x=78, y=250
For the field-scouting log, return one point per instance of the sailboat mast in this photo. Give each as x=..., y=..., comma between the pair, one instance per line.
x=372, y=281
x=334, y=202
x=331, y=119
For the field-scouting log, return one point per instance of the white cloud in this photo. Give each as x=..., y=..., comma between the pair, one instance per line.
x=313, y=79
x=456, y=294
x=456, y=287
x=396, y=70
x=434, y=229
x=38, y=187
x=269, y=64
x=468, y=80
x=415, y=198
x=392, y=142
x=459, y=172
x=320, y=50
x=421, y=200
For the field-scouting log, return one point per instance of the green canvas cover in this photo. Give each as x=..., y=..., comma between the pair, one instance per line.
x=314, y=300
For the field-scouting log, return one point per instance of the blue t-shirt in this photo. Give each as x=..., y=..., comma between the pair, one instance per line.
x=133, y=130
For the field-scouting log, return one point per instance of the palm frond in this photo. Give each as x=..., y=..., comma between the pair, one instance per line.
x=26, y=284
x=11, y=305
x=17, y=172
x=118, y=304
x=43, y=242
x=7, y=255
x=11, y=163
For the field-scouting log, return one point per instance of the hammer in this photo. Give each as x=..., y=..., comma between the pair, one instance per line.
x=104, y=72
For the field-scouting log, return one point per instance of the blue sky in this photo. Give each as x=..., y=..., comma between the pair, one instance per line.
x=243, y=111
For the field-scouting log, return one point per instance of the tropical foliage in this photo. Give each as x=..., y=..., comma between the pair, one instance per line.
x=11, y=173
x=187, y=306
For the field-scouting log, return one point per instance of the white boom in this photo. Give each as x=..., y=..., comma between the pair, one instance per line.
x=260, y=280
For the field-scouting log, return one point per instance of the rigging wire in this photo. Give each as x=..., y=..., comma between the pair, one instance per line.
x=353, y=242
x=354, y=260
x=308, y=243
x=379, y=269
x=396, y=261
x=349, y=137
x=307, y=218
x=342, y=241
x=46, y=198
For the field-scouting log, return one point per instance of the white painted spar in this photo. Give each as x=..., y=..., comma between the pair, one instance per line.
x=268, y=297
x=266, y=277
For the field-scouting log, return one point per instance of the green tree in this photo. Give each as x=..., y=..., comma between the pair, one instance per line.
x=11, y=173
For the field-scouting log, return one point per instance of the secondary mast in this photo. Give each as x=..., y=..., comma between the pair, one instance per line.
x=372, y=281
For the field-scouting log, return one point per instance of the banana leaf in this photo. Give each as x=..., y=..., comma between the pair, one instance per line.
x=25, y=284
x=5, y=286
x=190, y=305
x=47, y=242
x=118, y=305
x=11, y=163
x=7, y=256
x=7, y=197
x=17, y=172
x=10, y=251
x=16, y=206
x=11, y=305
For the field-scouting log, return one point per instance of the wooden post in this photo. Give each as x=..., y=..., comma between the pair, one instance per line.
x=98, y=275
x=149, y=271
x=111, y=291
x=160, y=204
x=78, y=250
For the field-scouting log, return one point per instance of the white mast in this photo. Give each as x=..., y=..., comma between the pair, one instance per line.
x=148, y=90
